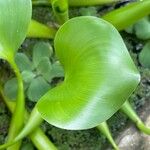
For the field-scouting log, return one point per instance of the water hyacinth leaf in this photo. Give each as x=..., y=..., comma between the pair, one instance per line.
x=40, y=50
x=37, y=88
x=23, y=62
x=13, y=25
x=27, y=76
x=44, y=68
x=10, y=88
x=94, y=88
x=144, y=56
x=142, y=28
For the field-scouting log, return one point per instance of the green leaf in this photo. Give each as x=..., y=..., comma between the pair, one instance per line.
x=23, y=62
x=15, y=16
x=37, y=88
x=10, y=88
x=99, y=75
x=40, y=50
x=130, y=29
x=27, y=76
x=144, y=56
x=44, y=68
x=142, y=28
x=56, y=71
x=89, y=11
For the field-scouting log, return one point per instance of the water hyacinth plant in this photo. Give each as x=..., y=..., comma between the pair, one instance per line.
x=99, y=74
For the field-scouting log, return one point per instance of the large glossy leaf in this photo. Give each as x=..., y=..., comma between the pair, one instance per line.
x=14, y=22
x=99, y=75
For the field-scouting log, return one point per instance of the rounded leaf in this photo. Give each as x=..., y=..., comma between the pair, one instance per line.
x=56, y=71
x=144, y=56
x=40, y=50
x=15, y=16
x=23, y=62
x=44, y=68
x=99, y=75
x=10, y=88
x=27, y=76
x=142, y=28
x=38, y=87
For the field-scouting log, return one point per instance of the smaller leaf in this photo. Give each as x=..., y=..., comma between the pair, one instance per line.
x=10, y=88
x=40, y=50
x=89, y=11
x=27, y=76
x=144, y=56
x=130, y=29
x=38, y=87
x=57, y=70
x=142, y=29
x=23, y=62
x=44, y=68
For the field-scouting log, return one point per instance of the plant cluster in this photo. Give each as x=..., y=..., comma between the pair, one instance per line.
x=97, y=71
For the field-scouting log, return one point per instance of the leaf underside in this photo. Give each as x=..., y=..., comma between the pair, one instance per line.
x=99, y=75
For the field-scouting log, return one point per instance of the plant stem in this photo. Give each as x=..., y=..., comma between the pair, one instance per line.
x=40, y=2
x=128, y=110
x=60, y=8
x=125, y=16
x=75, y=3
x=39, y=30
x=17, y=118
x=103, y=127
x=38, y=137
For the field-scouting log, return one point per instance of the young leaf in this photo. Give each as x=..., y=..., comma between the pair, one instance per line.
x=23, y=62
x=89, y=11
x=10, y=88
x=37, y=88
x=27, y=76
x=40, y=50
x=144, y=56
x=12, y=31
x=56, y=71
x=99, y=75
x=142, y=28
x=44, y=68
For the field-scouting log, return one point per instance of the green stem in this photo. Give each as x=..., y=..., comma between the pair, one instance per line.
x=38, y=137
x=39, y=30
x=125, y=16
x=17, y=118
x=40, y=3
x=103, y=127
x=128, y=110
x=75, y=3
x=60, y=8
